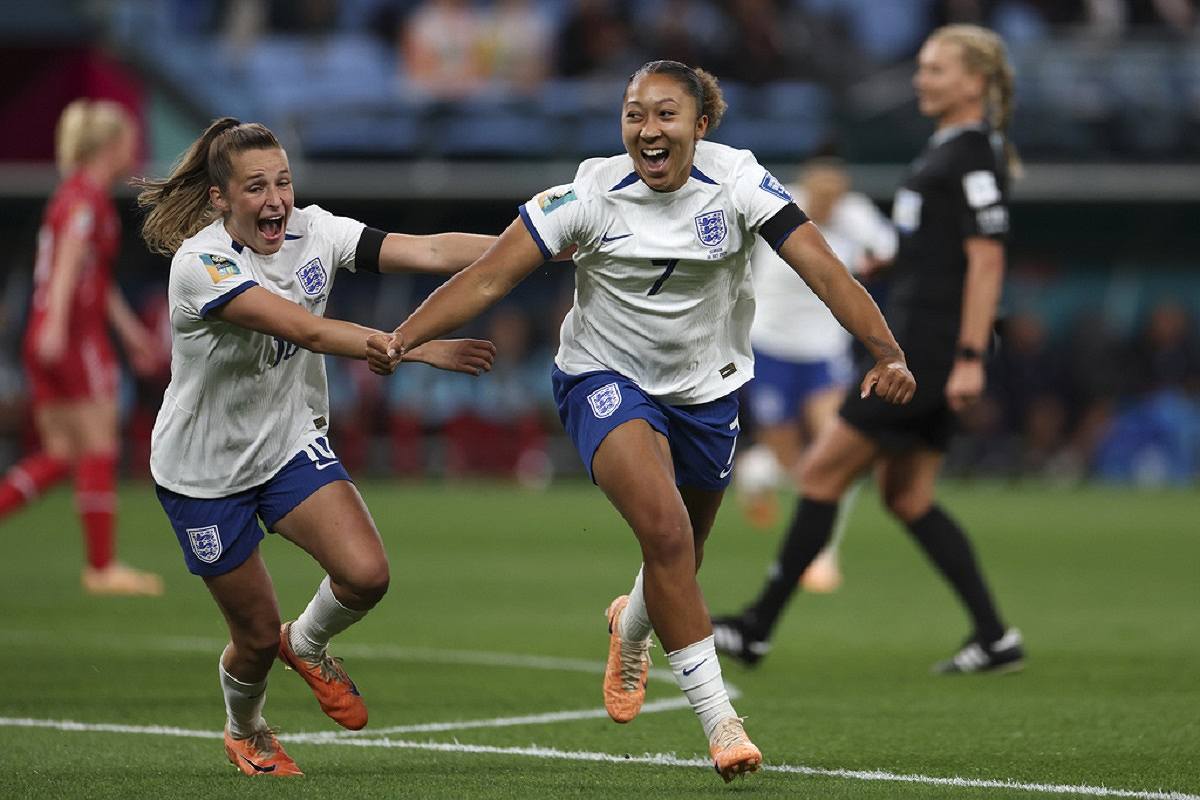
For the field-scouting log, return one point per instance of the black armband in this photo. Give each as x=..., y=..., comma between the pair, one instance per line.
x=778, y=228
x=366, y=255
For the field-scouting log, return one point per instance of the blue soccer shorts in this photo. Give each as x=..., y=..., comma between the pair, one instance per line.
x=703, y=437
x=218, y=534
x=781, y=386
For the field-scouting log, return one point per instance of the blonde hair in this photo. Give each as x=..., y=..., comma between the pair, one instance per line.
x=700, y=83
x=983, y=53
x=179, y=204
x=84, y=128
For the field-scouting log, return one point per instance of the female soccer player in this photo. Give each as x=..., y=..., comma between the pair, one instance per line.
x=802, y=358
x=241, y=432
x=952, y=219
x=68, y=355
x=654, y=349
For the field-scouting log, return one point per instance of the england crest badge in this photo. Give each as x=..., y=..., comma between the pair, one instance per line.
x=605, y=400
x=206, y=543
x=711, y=228
x=312, y=277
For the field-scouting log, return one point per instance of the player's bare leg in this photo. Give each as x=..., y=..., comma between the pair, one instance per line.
x=633, y=466
x=334, y=526
x=246, y=598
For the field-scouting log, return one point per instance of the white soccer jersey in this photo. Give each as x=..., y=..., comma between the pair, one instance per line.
x=791, y=322
x=662, y=289
x=241, y=403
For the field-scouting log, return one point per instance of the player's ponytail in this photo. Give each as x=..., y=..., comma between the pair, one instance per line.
x=179, y=204
x=701, y=84
x=984, y=54
x=84, y=128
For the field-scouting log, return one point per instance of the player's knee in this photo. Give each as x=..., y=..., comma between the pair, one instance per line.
x=258, y=639
x=820, y=480
x=906, y=505
x=665, y=537
x=367, y=583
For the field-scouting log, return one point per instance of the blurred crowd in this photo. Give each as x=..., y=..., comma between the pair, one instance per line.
x=453, y=48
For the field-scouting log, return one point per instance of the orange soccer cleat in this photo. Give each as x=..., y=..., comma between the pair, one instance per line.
x=626, y=670
x=732, y=751
x=119, y=579
x=260, y=754
x=337, y=694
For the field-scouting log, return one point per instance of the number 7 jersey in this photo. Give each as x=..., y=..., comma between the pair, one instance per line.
x=662, y=289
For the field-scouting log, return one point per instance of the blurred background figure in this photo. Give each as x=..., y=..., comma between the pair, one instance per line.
x=69, y=358
x=802, y=356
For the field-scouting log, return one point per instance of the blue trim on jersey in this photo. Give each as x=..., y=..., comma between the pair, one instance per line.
x=778, y=243
x=290, y=236
x=700, y=176
x=628, y=180
x=237, y=246
x=225, y=298
x=533, y=231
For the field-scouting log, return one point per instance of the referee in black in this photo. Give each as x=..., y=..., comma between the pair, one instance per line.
x=952, y=218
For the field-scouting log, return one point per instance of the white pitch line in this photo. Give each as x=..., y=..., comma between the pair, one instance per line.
x=652, y=707
x=656, y=759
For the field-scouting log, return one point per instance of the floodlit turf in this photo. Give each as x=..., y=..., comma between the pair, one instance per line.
x=1104, y=583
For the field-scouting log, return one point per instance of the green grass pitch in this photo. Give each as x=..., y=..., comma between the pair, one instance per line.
x=496, y=611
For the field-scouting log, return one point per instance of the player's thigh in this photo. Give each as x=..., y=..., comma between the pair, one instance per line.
x=334, y=526
x=58, y=429
x=702, y=506
x=821, y=409
x=98, y=424
x=835, y=460
x=246, y=597
x=634, y=469
x=784, y=440
x=908, y=481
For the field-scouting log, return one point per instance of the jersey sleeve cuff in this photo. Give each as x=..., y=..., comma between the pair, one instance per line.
x=217, y=302
x=778, y=228
x=370, y=245
x=533, y=231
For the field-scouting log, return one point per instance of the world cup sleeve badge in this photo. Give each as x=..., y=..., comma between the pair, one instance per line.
x=711, y=227
x=219, y=267
x=312, y=277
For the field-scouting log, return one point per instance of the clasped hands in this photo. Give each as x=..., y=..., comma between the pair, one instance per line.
x=470, y=356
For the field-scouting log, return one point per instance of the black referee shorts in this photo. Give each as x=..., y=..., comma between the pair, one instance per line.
x=926, y=422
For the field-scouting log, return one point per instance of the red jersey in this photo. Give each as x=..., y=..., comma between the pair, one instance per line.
x=84, y=209
x=88, y=368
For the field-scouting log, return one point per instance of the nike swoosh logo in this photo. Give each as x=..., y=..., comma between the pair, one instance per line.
x=605, y=239
x=724, y=472
x=689, y=670
x=331, y=463
x=257, y=767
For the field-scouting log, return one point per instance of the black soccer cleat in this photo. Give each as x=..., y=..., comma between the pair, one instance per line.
x=733, y=638
x=1003, y=655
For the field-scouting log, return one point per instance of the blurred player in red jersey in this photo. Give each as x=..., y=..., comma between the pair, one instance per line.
x=68, y=354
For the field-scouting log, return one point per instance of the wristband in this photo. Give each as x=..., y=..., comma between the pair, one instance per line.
x=968, y=353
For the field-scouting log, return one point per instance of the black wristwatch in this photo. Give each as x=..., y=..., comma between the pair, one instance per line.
x=968, y=353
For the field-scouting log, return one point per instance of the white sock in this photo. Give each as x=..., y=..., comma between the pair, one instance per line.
x=635, y=622
x=323, y=619
x=243, y=703
x=698, y=673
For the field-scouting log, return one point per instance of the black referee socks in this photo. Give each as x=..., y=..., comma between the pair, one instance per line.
x=809, y=532
x=947, y=547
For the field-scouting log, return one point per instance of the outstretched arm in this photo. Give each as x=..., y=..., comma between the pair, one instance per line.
x=439, y=253
x=806, y=251
x=472, y=291
x=260, y=310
